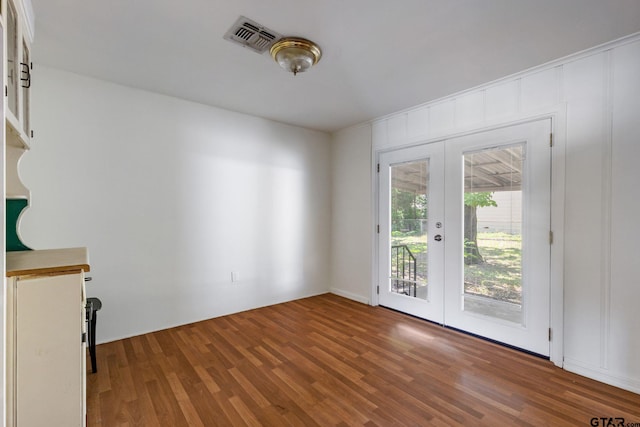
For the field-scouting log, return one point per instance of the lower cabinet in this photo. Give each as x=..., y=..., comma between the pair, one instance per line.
x=46, y=350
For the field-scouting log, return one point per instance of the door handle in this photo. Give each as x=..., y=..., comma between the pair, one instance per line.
x=437, y=237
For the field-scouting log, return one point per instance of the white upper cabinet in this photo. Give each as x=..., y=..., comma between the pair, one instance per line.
x=17, y=18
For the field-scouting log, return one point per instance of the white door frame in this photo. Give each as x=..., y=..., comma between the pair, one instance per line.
x=558, y=116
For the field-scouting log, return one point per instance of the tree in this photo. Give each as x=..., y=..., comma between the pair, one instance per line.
x=472, y=201
x=407, y=207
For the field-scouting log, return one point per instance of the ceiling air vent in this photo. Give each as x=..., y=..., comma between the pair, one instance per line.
x=251, y=35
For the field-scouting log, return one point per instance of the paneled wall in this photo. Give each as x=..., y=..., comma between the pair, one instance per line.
x=507, y=100
x=594, y=99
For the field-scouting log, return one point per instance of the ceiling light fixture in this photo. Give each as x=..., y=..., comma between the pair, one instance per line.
x=295, y=54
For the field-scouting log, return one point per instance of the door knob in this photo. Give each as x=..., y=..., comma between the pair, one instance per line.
x=437, y=237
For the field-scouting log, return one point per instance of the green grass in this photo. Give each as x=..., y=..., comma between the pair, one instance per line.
x=499, y=277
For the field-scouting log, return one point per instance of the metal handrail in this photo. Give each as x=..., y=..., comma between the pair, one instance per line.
x=408, y=269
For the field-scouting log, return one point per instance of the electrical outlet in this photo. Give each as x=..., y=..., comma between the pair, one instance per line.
x=235, y=276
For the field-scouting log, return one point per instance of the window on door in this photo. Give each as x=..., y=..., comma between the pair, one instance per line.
x=409, y=224
x=493, y=232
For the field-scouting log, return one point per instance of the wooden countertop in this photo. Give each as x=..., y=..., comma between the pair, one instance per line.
x=47, y=261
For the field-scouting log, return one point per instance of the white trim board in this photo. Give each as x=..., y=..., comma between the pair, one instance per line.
x=350, y=295
x=602, y=375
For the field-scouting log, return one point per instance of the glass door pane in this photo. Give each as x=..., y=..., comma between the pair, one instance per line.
x=12, y=59
x=409, y=225
x=493, y=232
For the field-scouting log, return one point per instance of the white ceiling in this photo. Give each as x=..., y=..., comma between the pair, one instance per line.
x=378, y=56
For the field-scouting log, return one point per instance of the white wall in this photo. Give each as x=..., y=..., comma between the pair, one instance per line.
x=352, y=225
x=593, y=99
x=170, y=197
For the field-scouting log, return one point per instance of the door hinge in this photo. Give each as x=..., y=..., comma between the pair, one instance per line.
x=378, y=228
x=550, y=237
x=378, y=167
x=6, y=90
x=378, y=289
x=84, y=337
x=550, y=140
x=550, y=334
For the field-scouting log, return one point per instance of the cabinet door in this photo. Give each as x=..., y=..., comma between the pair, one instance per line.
x=18, y=71
x=12, y=59
x=50, y=351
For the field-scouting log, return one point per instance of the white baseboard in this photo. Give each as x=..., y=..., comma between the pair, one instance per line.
x=602, y=375
x=350, y=295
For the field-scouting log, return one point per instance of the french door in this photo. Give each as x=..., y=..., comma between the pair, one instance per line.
x=411, y=215
x=464, y=233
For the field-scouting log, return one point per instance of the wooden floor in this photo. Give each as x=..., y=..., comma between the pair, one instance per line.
x=329, y=361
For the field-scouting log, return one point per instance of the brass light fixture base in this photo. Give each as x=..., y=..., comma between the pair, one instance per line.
x=295, y=54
